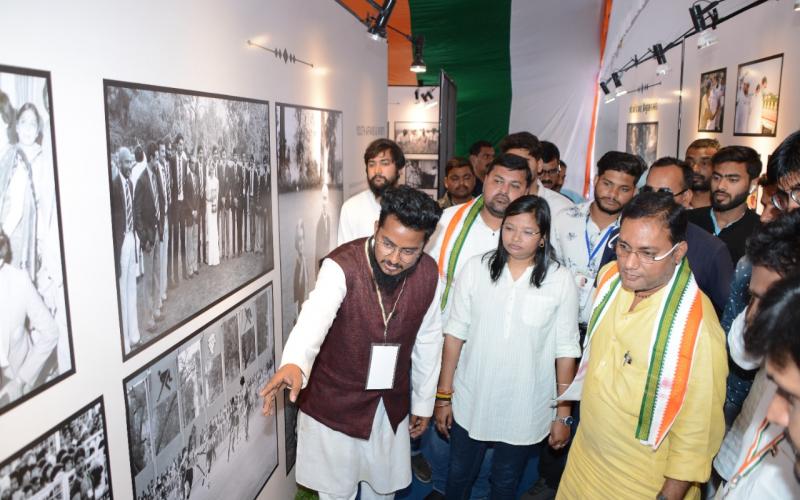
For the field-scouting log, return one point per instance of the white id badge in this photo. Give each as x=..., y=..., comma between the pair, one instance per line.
x=382, y=364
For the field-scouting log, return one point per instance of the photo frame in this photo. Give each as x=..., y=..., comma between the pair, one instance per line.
x=711, y=106
x=190, y=426
x=417, y=137
x=34, y=277
x=758, y=90
x=642, y=139
x=192, y=224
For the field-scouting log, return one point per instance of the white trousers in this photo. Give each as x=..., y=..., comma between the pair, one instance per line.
x=129, y=268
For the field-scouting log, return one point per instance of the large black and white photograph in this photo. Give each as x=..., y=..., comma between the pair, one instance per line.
x=758, y=92
x=310, y=169
x=420, y=173
x=35, y=332
x=642, y=140
x=417, y=137
x=191, y=203
x=712, y=101
x=67, y=462
x=191, y=425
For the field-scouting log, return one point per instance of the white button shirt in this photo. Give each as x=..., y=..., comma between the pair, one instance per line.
x=505, y=383
x=358, y=217
x=555, y=200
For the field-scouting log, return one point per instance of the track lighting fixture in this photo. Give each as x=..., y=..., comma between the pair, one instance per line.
x=620, y=90
x=661, y=59
x=604, y=88
x=418, y=64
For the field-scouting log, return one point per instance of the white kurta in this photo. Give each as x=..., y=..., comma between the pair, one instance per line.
x=330, y=461
x=555, y=200
x=505, y=383
x=358, y=217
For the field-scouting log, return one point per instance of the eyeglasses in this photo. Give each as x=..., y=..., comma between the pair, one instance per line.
x=624, y=250
x=550, y=171
x=781, y=199
x=650, y=189
x=388, y=248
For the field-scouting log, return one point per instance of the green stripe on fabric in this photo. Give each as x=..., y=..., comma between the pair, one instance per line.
x=666, y=321
x=470, y=40
x=473, y=213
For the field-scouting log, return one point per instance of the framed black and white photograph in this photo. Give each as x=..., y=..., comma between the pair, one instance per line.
x=191, y=203
x=194, y=419
x=642, y=139
x=758, y=92
x=66, y=462
x=712, y=101
x=417, y=137
x=310, y=169
x=35, y=334
x=420, y=173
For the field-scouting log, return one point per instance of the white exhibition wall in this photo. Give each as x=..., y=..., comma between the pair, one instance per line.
x=412, y=113
x=200, y=46
x=769, y=29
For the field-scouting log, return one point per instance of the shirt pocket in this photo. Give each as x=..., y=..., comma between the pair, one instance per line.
x=539, y=311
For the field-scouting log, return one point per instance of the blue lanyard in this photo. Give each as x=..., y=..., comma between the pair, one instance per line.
x=717, y=229
x=600, y=244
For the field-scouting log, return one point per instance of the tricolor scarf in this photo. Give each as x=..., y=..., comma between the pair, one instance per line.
x=447, y=265
x=672, y=346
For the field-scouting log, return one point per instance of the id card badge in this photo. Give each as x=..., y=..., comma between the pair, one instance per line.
x=382, y=365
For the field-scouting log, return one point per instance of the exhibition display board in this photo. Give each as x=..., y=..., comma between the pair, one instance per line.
x=157, y=162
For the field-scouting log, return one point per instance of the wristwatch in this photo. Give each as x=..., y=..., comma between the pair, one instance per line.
x=568, y=420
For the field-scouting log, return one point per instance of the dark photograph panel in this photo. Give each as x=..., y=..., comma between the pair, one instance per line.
x=35, y=334
x=191, y=203
x=190, y=430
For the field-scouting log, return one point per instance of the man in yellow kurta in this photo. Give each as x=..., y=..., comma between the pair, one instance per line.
x=653, y=374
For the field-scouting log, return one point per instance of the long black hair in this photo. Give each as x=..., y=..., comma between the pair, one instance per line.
x=538, y=207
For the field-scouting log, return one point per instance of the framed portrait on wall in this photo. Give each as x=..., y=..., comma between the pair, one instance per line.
x=193, y=413
x=712, y=101
x=758, y=92
x=417, y=137
x=68, y=461
x=642, y=139
x=191, y=203
x=35, y=334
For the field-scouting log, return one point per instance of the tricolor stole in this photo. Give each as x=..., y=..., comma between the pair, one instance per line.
x=447, y=266
x=672, y=347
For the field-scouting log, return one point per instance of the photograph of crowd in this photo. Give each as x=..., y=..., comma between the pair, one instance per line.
x=417, y=137
x=191, y=427
x=191, y=203
x=758, y=91
x=68, y=462
x=642, y=140
x=35, y=339
x=712, y=101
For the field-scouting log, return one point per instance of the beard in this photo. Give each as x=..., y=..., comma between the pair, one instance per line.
x=388, y=283
x=700, y=183
x=604, y=208
x=724, y=207
x=494, y=208
x=379, y=189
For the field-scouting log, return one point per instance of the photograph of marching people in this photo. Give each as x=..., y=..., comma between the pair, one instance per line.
x=310, y=169
x=191, y=203
x=35, y=339
x=193, y=420
x=417, y=137
x=758, y=91
x=712, y=101
x=67, y=462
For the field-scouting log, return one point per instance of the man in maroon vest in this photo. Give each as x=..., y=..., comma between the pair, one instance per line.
x=368, y=336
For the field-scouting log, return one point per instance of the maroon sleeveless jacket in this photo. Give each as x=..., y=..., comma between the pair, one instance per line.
x=335, y=394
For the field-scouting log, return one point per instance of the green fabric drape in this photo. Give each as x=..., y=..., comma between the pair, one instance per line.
x=469, y=39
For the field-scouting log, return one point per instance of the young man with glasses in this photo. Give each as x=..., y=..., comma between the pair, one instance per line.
x=369, y=335
x=652, y=376
x=784, y=168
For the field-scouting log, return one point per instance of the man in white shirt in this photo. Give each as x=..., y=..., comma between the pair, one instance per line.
x=383, y=159
x=369, y=335
x=465, y=231
x=527, y=145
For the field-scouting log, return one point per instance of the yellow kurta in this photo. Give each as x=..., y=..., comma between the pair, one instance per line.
x=606, y=460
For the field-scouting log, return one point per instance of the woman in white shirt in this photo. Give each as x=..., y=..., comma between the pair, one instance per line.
x=510, y=347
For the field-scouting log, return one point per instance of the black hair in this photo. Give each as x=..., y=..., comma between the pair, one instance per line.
x=538, y=207
x=776, y=244
x=138, y=154
x=785, y=159
x=739, y=154
x=378, y=146
x=661, y=206
x=626, y=163
x=686, y=170
x=413, y=208
x=550, y=152
x=152, y=150
x=476, y=147
x=456, y=162
x=178, y=138
x=8, y=115
x=704, y=143
x=31, y=106
x=522, y=140
x=774, y=333
x=511, y=162
x=5, y=248
x=562, y=163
